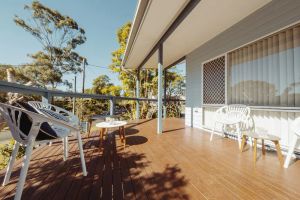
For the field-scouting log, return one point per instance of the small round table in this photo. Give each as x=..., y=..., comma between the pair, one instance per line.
x=113, y=124
x=97, y=117
x=262, y=137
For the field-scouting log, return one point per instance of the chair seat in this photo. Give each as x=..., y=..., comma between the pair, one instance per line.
x=225, y=119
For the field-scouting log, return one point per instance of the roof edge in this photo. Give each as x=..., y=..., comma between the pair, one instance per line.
x=137, y=20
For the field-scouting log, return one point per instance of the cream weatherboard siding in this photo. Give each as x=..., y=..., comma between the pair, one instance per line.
x=271, y=18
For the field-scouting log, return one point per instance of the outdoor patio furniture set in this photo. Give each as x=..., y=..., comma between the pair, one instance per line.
x=238, y=116
x=36, y=123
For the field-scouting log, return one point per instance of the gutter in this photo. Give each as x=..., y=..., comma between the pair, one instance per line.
x=136, y=24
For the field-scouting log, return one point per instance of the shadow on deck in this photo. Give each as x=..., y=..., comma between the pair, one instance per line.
x=181, y=163
x=113, y=172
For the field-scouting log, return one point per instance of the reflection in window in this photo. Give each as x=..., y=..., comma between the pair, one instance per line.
x=267, y=72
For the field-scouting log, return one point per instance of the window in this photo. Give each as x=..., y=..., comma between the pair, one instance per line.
x=214, y=81
x=266, y=72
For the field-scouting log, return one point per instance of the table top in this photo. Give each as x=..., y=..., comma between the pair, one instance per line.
x=112, y=124
x=262, y=136
x=95, y=117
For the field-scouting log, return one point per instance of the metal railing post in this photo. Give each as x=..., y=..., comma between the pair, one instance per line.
x=112, y=103
x=137, y=114
x=47, y=97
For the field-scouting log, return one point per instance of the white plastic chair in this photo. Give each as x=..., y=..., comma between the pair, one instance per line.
x=234, y=114
x=296, y=136
x=13, y=117
x=56, y=112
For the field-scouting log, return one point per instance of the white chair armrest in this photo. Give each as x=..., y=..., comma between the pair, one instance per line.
x=41, y=107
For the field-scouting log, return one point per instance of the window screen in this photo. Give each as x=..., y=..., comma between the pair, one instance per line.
x=214, y=81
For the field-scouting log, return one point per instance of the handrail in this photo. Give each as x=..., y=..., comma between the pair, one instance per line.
x=261, y=108
x=24, y=89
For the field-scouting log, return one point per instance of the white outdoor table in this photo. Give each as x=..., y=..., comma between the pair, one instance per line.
x=113, y=124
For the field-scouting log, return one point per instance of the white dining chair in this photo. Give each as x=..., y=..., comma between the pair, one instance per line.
x=59, y=113
x=231, y=115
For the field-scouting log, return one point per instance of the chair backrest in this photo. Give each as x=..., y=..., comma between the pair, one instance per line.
x=12, y=115
x=239, y=108
x=62, y=114
x=236, y=111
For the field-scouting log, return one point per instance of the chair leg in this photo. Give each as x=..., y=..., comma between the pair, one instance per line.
x=255, y=151
x=24, y=170
x=290, y=152
x=213, y=132
x=11, y=163
x=251, y=142
x=239, y=135
x=66, y=148
x=81, y=154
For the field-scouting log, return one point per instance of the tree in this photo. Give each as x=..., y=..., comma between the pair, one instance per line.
x=102, y=85
x=127, y=77
x=148, y=77
x=59, y=36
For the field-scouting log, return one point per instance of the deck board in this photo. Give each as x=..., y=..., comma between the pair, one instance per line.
x=179, y=164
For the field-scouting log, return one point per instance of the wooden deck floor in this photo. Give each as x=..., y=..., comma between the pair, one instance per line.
x=179, y=164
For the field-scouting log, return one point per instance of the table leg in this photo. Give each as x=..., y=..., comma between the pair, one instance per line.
x=255, y=151
x=124, y=138
x=120, y=132
x=263, y=149
x=102, y=133
x=101, y=136
x=244, y=141
x=279, y=154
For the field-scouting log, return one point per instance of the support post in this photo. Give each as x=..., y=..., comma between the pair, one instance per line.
x=46, y=98
x=165, y=93
x=137, y=114
x=159, y=89
x=112, y=102
x=83, y=75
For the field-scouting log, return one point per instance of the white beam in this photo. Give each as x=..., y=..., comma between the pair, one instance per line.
x=160, y=90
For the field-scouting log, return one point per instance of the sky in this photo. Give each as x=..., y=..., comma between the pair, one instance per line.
x=99, y=18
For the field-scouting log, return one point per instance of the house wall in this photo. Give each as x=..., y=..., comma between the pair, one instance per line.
x=272, y=17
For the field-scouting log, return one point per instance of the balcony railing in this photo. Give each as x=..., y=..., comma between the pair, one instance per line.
x=48, y=94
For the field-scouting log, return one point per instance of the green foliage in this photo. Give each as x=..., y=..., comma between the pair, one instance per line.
x=3, y=73
x=88, y=107
x=5, y=153
x=59, y=36
x=148, y=78
x=102, y=85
